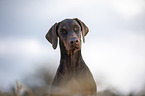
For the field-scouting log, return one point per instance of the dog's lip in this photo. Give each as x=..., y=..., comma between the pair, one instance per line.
x=74, y=48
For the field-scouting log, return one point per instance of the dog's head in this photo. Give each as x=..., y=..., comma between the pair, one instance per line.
x=69, y=32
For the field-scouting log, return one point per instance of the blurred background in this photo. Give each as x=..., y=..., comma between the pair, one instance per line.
x=114, y=49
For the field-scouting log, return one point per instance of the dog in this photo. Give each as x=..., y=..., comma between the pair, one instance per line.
x=73, y=77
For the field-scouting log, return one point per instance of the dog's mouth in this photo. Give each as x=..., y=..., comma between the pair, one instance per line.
x=74, y=48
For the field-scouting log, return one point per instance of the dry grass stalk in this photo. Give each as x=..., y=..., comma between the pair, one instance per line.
x=20, y=87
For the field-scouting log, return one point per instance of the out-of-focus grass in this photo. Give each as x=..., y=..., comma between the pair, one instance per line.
x=26, y=89
x=44, y=91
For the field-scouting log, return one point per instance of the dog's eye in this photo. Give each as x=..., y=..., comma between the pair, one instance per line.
x=63, y=31
x=76, y=28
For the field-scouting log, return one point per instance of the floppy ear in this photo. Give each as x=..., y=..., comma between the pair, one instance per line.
x=84, y=28
x=51, y=36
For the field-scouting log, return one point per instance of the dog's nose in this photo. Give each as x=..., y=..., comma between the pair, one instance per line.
x=74, y=41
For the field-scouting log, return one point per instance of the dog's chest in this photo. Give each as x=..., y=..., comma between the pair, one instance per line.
x=72, y=86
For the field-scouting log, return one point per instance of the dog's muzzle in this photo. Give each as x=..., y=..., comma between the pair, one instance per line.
x=74, y=43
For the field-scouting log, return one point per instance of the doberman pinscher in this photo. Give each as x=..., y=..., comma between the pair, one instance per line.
x=73, y=77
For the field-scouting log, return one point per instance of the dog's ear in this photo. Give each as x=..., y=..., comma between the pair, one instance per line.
x=84, y=28
x=51, y=36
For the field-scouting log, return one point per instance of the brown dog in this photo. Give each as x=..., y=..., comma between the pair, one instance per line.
x=73, y=77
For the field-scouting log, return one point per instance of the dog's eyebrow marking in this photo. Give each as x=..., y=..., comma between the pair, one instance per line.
x=63, y=27
x=74, y=25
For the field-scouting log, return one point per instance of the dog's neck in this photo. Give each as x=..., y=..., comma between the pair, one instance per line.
x=70, y=60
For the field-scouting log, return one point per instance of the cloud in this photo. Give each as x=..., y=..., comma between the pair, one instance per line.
x=20, y=46
x=128, y=8
x=120, y=60
x=20, y=56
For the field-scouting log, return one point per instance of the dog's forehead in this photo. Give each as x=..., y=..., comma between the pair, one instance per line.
x=68, y=22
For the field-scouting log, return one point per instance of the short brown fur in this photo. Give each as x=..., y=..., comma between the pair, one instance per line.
x=73, y=77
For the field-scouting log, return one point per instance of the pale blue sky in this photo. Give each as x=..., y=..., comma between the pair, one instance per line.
x=115, y=42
